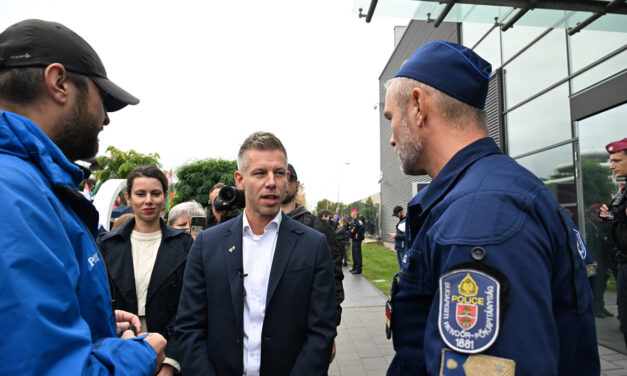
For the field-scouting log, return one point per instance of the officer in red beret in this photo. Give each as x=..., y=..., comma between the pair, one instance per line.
x=616, y=214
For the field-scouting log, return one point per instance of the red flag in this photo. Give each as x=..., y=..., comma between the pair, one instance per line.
x=87, y=191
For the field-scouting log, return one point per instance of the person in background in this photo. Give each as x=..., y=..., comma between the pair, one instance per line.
x=213, y=215
x=399, y=235
x=357, y=236
x=616, y=214
x=119, y=221
x=146, y=259
x=299, y=212
x=55, y=307
x=180, y=216
x=340, y=234
x=599, y=243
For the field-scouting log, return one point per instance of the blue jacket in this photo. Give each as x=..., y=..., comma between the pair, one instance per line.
x=55, y=308
x=486, y=214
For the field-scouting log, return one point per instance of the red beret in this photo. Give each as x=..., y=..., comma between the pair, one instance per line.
x=615, y=146
x=354, y=209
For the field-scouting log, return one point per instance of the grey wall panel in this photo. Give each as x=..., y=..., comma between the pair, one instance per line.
x=494, y=109
x=396, y=187
x=601, y=97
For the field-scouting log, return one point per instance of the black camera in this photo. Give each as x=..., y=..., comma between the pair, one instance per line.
x=229, y=198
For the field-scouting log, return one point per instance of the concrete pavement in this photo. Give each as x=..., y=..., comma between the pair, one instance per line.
x=363, y=349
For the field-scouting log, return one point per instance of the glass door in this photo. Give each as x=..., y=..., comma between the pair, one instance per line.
x=598, y=187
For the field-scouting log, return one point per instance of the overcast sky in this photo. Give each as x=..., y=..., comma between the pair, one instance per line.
x=210, y=73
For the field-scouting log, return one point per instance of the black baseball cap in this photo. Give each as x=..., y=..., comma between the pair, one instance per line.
x=37, y=43
x=293, y=176
x=397, y=209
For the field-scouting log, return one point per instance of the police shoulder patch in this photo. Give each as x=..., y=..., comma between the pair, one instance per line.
x=581, y=247
x=468, y=317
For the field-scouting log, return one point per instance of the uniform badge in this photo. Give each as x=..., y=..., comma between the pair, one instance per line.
x=581, y=247
x=468, y=318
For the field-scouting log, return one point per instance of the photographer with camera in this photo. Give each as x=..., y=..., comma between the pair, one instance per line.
x=220, y=210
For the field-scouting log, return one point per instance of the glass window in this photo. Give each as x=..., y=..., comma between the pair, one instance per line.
x=594, y=133
x=541, y=65
x=600, y=72
x=542, y=122
x=517, y=37
x=490, y=48
x=555, y=168
x=588, y=46
x=472, y=32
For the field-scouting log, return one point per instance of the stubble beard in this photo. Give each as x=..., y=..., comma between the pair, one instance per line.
x=289, y=198
x=79, y=138
x=409, y=147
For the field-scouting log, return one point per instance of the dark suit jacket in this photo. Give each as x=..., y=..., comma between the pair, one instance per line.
x=299, y=323
x=166, y=280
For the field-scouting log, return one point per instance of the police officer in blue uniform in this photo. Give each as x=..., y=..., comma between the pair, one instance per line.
x=495, y=276
x=357, y=236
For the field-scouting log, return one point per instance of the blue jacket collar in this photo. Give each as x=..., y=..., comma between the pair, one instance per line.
x=21, y=137
x=445, y=180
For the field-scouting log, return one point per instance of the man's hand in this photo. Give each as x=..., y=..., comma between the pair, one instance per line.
x=332, y=353
x=157, y=342
x=166, y=370
x=392, y=235
x=604, y=212
x=124, y=320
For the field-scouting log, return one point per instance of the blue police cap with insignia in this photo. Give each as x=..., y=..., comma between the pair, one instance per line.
x=451, y=68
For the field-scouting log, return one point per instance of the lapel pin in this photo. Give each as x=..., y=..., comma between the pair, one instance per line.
x=231, y=249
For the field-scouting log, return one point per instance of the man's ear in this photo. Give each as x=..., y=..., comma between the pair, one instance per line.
x=128, y=198
x=56, y=83
x=239, y=178
x=418, y=106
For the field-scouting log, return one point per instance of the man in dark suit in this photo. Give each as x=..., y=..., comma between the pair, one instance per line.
x=258, y=294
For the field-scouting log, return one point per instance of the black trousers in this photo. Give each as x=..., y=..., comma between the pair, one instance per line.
x=357, y=255
x=343, y=252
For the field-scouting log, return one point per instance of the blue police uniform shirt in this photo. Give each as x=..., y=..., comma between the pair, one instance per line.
x=487, y=220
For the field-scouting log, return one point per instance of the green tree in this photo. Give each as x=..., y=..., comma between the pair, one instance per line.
x=120, y=163
x=597, y=187
x=331, y=206
x=195, y=179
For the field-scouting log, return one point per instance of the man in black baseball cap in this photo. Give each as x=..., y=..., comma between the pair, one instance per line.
x=37, y=43
x=399, y=235
x=54, y=98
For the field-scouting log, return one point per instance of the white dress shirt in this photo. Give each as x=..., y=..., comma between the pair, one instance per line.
x=257, y=255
